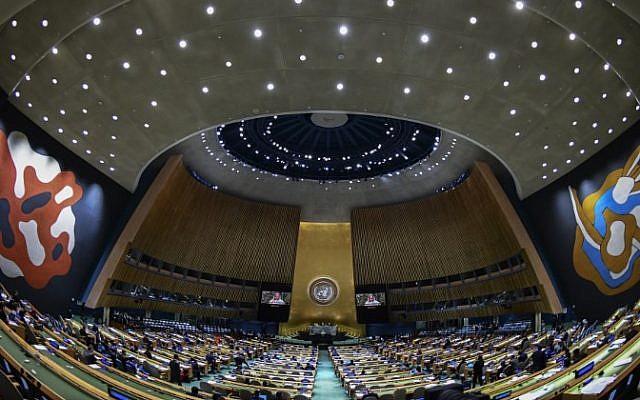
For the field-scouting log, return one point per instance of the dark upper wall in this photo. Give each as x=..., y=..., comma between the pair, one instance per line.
x=550, y=219
x=97, y=204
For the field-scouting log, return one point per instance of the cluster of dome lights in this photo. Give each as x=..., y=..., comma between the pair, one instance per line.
x=356, y=168
x=343, y=30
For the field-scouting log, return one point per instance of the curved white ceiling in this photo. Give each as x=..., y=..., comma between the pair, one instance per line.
x=523, y=88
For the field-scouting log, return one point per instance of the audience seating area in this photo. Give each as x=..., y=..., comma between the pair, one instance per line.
x=42, y=357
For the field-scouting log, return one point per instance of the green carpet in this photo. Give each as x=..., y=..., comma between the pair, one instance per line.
x=327, y=385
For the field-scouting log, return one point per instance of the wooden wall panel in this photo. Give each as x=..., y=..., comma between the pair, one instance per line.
x=452, y=232
x=474, y=312
x=192, y=226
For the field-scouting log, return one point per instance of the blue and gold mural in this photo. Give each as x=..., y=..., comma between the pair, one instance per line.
x=606, y=250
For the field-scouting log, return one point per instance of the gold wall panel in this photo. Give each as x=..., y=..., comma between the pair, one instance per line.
x=324, y=251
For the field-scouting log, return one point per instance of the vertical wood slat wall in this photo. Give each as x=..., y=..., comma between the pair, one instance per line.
x=192, y=226
x=451, y=232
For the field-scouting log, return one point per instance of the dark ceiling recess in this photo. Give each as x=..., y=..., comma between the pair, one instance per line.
x=329, y=146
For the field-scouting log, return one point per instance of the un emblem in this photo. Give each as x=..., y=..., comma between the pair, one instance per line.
x=323, y=291
x=607, y=246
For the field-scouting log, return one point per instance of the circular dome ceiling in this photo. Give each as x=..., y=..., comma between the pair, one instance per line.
x=328, y=146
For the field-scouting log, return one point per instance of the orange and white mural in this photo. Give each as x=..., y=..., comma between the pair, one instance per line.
x=37, y=222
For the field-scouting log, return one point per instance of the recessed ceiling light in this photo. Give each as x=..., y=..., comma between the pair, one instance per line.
x=112, y=155
x=596, y=141
x=146, y=125
x=491, y=55
x=87, y=56
x=390, y=3
x=578, y=4
x=544, y=164
x=62, y=111
x=542, y=77
x=126, y=65
x=572, y=36
x=406, y=90
x=555, y=170
x=302, y=57
x=101, y=161
x=545, y=147
x=604, y=95
x=85, y=86
x=473, y=20
x=12, y=57
x=628, y=94
x=84, y=111
x=44, y=23
x=228, y=64
x=205, y=89
x=594, y=125
x=505, y=83
x=163, y=72
x=379, y=60
x=60, y=131
x=581, y=151
x=568, y=161
x=270, y=86
x=257, y=33
x=14, y=23
x=516, y=133
x=154, y=103
x=54, y=50
x=182, y=43
x=297, y=1
x=424, y=38
x=576, y=70
x=97, y=21
x=624, y=119
x=513, y=111
x=610, y=131
x=16, y=93
x=574, y=123
x=576, y=99
x=45, y=118
x=449, y=70
x=619, y=41
x=74, y=141
x=606, y=66
x=114, y=117
x=114, y=137
x=139, y=31
x=88, y=151
x=29, y=105
x=112, y=169
x=519, y=5
x=466, y=97
x=27, y=77
x=85, y=132
x=343, y=30
x=210, y=10
x=54, y=81
x=534, y=44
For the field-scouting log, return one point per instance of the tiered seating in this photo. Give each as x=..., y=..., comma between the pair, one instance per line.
x=288, y=369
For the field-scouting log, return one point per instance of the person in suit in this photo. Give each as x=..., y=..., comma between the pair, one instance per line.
x=174, y=370
x=478, y=370
x=538, y=359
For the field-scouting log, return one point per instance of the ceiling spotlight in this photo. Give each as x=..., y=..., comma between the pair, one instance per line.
x=572, y=143
x=16, y=93
x=45, y=118
x=424, y=38
x=390, y=3
x=576, y=70
x=146, y=125
x=606, y=66
x=379, y=60
x=619, y=41
x=114, y=137
x=492, y=55
x=88, y=151
x=85, y=132
x=513, y=111
x=339, y=86
x=85, y=86
x=578, y=4
x=182, y=43
x=628, y=94
x=581, y=151
x=542, y=77
x=270, y=86
x=210, y=10
x=60, y=130
x=343, y=30
x=576, y=99
x=114, y=117
x=14, y=23
x=568, y=161
x=84, y=111
x=604, y=96
x=519, y=5
x=112, y=169
x=594, y=125
x=12, y=57
x=505, y=83
x=516, y=134
x=97, y=21
x=126, y=65
x=473, y=20
x=54, y=50
x=534, y=44
x=139, y=31
x=297, y=1
x=406, y=90
x=74, y=141
x=466, y=97
x=205, y=90
x=302, y=57
x=54, y=81
x=544, y=177
x=44, y=23
x=154, y=103
x=228, y=64
x=545, y=147
x=87, y=56
x=449, y=70
x=572, y=36
x=257, y=33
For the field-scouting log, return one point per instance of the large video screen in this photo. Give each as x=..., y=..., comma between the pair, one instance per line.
x=275, y=298
x=376, y=299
